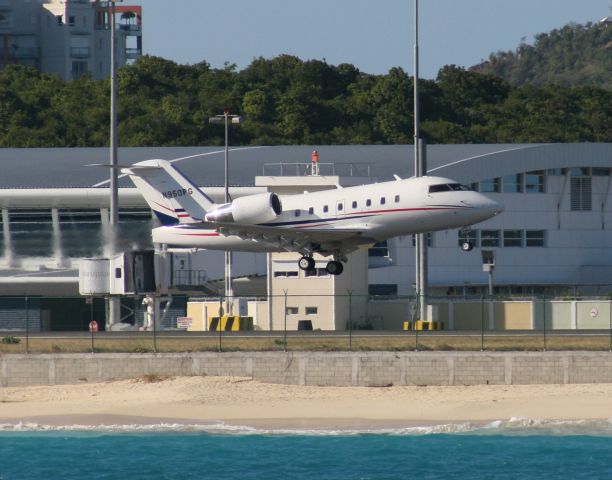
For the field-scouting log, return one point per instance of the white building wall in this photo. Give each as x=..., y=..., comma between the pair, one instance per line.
x=578, y=245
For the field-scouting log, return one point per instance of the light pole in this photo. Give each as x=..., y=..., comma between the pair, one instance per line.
x=225, y=119
x=113, y=302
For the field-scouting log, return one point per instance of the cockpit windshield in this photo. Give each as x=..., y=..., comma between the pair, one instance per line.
x=447, y=187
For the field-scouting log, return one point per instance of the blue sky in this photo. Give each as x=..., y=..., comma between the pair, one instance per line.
x=373, y=35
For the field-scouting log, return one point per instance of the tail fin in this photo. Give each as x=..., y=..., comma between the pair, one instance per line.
x=168, y=192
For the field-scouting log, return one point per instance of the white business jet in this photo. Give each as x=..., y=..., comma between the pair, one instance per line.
x=331, y=222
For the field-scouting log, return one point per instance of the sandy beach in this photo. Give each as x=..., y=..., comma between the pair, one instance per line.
x=242, y=401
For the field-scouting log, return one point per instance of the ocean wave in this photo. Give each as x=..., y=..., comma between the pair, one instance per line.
x=512, y=426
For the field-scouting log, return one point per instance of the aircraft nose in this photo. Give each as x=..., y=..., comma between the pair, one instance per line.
x=495, y=208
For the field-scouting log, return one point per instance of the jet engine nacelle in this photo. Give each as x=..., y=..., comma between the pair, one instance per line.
x=252, y=209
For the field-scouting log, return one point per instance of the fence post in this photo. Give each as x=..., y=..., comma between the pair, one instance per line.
x=482, y=323
x=91, y=317
x=219, y=323
x=155, y=315
x=350, y=295
x=610, y=321
x=285, y=325
x=27, y=325
x=417, y=316
x=544, y=318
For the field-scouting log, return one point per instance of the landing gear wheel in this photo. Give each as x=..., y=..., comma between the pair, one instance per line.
x=306, y=263
x=467, y=246
x=334, y=267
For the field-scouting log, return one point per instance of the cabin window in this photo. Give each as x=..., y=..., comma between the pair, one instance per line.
x=297, y=213
x=340, y=207
x=311, y=210
x=354, y=204
x=382, y=200
x=397, y=198
x=325, y=209
x=368, y=202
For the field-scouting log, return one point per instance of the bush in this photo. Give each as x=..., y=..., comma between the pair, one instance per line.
x=10, y=340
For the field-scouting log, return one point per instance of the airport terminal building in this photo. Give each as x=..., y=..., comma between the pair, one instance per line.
x=555, y=235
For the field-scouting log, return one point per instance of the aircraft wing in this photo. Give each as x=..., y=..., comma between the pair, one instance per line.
x=295, y=239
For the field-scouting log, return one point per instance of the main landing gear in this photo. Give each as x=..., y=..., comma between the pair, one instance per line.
x=333, y=267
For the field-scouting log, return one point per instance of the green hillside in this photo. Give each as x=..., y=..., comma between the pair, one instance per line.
x=569, y=56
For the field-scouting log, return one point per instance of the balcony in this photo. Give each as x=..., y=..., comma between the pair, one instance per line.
x=129, y=28
x=133, y=53
x=79, y=52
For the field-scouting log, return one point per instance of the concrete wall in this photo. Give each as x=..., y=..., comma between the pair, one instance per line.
x=319, y=368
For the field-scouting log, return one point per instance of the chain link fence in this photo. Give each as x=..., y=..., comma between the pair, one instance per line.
x=288, y=322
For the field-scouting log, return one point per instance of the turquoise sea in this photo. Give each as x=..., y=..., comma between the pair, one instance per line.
x=517, y=449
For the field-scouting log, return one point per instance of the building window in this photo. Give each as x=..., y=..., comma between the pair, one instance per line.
x=311, y=310
x=134, y=228
x=291, y=310
x=379, y=249
x=429, y=239
x=60, y=20
x=534, y=182
x=468, y=236
x=535, y=238
x=600, y=172
x=71, y=21
x=31, y=232
x=581, y=194
x=286, y=274
x=491, y=186
x=382, y=289
x=397, y=199
x=80, y=232
x=513, y=238
x=354, y=204
x=489, y=238
x=79, y=69
x=316, y=272
x=513, y=183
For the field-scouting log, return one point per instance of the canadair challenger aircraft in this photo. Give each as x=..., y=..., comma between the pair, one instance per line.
x=329, y=222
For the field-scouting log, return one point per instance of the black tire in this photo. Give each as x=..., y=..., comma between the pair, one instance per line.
x=334, y=267
x=306, y=263
x=467, y=246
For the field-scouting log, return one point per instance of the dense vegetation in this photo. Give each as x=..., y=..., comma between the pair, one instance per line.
x=289, y=101
x=570, y=56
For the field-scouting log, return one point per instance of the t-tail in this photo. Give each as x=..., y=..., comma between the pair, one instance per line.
x=171, y=195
